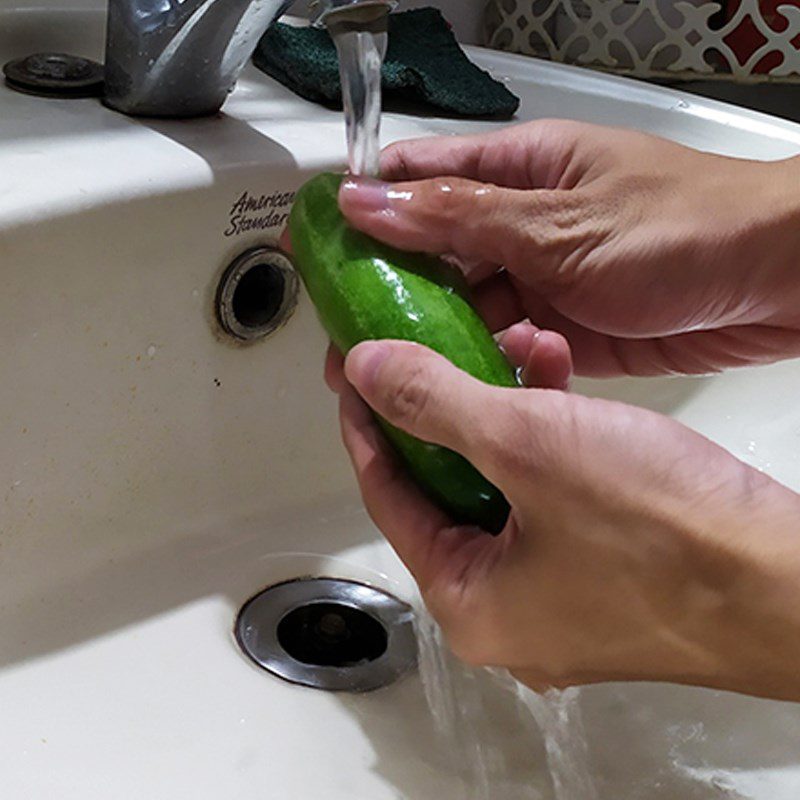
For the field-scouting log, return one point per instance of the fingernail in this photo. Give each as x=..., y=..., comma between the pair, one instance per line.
x=363, y=362
x=365, y=194
x=527, y=373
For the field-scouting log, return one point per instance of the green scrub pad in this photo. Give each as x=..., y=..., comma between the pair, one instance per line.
x=424, y=65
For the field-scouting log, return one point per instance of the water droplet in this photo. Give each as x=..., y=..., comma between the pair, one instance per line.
x=151, y=351
x=718, y=782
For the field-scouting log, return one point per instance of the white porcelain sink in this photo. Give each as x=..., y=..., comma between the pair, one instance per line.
x=155, y=475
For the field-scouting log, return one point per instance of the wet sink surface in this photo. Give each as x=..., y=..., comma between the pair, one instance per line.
x=156, y=475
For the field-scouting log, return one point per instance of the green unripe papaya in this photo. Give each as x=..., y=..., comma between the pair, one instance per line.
x=365, y=290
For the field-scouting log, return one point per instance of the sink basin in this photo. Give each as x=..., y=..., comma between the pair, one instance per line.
x=157, y=474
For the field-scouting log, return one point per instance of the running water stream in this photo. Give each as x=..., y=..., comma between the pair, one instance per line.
x=464, y=705
x=362, y=48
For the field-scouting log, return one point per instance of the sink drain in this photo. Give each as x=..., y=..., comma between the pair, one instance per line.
x=336, y=635
x=257, y=294
x=55, y=75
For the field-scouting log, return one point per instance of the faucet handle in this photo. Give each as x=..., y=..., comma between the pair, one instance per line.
x=180, y=58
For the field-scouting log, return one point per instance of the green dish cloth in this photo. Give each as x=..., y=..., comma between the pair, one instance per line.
x=424, y=64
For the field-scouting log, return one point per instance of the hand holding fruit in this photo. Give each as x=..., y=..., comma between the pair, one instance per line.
x=636, y=549
x=650, y=257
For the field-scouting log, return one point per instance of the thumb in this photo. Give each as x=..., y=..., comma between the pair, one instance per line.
x=466, y=218
x=423, y=394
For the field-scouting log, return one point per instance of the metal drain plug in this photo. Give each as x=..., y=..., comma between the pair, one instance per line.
x=336, y=635
x=55, y=75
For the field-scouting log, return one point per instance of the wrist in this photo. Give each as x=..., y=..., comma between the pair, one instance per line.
x=772, y=252
x=754, y=631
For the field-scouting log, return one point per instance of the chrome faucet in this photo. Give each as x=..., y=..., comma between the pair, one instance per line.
x=181, y=58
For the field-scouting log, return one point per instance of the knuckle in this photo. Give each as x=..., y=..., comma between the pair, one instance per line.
x=529, y=437
x=449, y=198
x=396, y=161
x=558, y=229
x=509, y=446
x=407, y=398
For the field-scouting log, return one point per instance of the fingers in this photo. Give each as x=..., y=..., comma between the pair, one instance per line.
x=549, y=363
x=474, y=221
x=498, y=302
x=543, y=356
x=424, y=537
x=535, y=155
x=423, y=394
x=396, y=506
x=598, y=355
x=334, y=370
x=417, y=390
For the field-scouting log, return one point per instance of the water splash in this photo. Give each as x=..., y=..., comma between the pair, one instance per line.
x=559, y=717
x=500, y=739
x=493, y=726
x=449, y=703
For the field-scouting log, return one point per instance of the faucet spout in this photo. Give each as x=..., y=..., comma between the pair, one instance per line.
x=180, y=58
x=358, y=14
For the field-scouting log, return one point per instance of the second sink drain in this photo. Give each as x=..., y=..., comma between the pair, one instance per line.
x=329, y=634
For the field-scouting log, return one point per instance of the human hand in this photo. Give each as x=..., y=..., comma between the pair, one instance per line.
x=650, y=257
x=636, y=549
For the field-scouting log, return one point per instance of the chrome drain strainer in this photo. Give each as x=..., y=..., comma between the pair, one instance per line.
x=330, y=634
